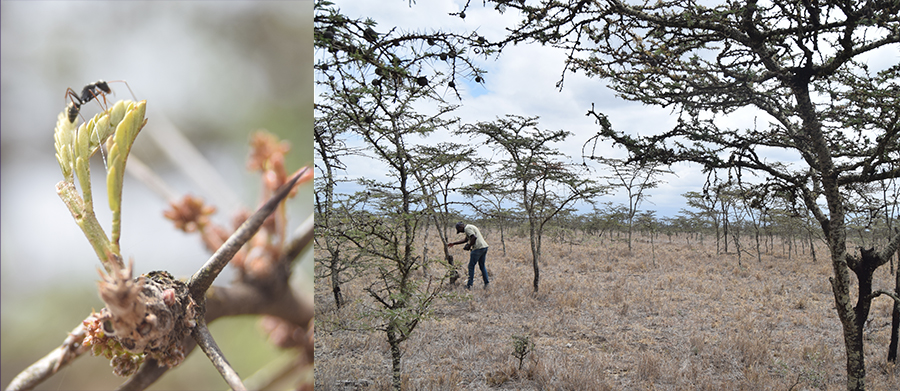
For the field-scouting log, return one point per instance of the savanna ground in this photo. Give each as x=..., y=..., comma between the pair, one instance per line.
x=607, y=318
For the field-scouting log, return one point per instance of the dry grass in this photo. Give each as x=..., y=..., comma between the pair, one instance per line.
x=606, y=318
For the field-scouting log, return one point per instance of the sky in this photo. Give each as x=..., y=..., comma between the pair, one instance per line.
x=522, y=81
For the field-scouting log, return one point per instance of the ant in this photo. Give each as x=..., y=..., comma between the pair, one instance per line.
x=94, y=90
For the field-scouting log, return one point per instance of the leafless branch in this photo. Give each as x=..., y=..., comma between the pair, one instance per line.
x=886, y=293
x=208, y=345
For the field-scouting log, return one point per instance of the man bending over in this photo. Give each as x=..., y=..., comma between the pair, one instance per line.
x=475, y=243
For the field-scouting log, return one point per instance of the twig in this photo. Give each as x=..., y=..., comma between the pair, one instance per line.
x=304, y=235
x=51, y=363
x=203, y=278
x=208, y=345
x=886, y=293
x=37, y=372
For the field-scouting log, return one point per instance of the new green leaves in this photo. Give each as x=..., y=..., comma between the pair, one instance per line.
x=117, y=127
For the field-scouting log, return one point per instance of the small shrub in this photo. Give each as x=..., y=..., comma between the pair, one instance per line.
x=522, y=345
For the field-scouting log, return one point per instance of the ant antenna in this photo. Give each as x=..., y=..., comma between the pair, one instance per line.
x=120, y=81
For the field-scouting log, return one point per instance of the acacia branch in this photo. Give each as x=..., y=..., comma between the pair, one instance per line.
x=304, y=236
x=203, y=278
x=287, y=306
x=47, y=366
x=886, y=293
x=236, y=299
x=208, y=345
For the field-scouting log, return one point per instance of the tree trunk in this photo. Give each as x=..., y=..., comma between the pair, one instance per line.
x=535, y=254
x=630, y=229
x=716, y=222
x=812, y=247
x=758, y=250
x=790, y=247
x=895, y=318
x=336, y=279
x=502, y=238
x=396, y=380
x=852, y=330
x=834, y=227
x=853, y=321
x=725, y=231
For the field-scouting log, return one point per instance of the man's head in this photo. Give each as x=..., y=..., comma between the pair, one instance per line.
x=460, y=227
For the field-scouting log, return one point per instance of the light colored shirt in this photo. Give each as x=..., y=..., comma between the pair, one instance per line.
x=472, y=230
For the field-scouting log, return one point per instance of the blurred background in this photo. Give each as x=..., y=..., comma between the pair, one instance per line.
x=211, y=71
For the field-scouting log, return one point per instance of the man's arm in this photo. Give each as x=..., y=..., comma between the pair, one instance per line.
x=461, y=241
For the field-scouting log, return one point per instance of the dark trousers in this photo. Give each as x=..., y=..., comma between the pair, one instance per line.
x=477, y=256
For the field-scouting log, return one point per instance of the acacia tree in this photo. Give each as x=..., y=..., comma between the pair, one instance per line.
x=635, y=178
x=330, y=214
x=491, y=200
x=384, y=227
x=378, y=86
x=609, y=218
x=797, y=63
x=438, y=168
x=707, y=211
x=728, y=196
x=543, y=185
x=648, y=221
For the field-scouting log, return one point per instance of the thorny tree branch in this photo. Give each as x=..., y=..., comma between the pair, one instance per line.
x=203, y=279
x=238, y=299
x=203, y=337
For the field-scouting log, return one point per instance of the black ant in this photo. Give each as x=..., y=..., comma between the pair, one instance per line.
x=94, y=90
